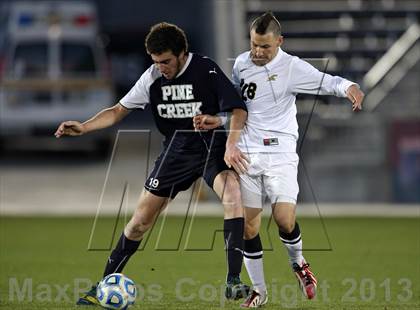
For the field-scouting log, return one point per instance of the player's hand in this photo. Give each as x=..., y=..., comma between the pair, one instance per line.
x=355, y=95
x=206, y=122
x=236, y=159
x=70, y=128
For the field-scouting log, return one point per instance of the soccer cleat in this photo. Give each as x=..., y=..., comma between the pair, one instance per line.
x=255, y=300
x=306, y=279
x=89, y=298
x=235, y=289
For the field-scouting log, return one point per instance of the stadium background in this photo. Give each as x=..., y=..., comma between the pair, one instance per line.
x=355, y=168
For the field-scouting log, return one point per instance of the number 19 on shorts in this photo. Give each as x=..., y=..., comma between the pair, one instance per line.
x=153, y=182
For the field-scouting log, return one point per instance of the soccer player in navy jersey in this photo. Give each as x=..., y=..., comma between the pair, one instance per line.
x=179, y=86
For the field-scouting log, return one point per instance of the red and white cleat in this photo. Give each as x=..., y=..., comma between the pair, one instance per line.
x=306, y=279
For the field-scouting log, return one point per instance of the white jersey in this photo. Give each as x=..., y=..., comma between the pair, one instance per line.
x=270, y=93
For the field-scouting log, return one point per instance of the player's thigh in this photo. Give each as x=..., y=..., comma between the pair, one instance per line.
x=284, y=214
x=215, y=172
x=252, y=192
x=280, y=179
x=226, y=186
x=224, y=182
x=252, y=218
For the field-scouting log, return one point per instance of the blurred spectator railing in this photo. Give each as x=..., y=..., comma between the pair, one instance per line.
x=352, y=34
x=392, y=67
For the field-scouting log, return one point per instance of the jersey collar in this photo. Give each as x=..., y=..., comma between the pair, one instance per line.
x=185, y=65
x=275, y=60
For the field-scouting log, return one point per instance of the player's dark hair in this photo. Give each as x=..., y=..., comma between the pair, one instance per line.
x=165, y=37
x=266, y=23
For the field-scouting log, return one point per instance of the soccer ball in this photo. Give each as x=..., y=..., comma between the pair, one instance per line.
x=116, y=291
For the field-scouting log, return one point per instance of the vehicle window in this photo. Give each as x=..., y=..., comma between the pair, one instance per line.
x=29, y=61
x=77, y=60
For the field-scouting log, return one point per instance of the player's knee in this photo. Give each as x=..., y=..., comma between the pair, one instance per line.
x=231, y=194
x=287, y=227
x=250, y=231
x=233, y=211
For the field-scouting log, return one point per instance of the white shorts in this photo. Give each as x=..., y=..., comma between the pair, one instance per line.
x=272, y=175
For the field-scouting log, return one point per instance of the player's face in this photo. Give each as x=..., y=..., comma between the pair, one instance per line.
x=168, y=64
x=264, y=47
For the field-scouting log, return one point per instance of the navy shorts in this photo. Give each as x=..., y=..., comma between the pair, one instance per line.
x=176, y=169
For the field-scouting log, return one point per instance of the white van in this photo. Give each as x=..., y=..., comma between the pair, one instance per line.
x=53, y=68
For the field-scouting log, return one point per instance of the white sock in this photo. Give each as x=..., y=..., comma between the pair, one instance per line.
x=254, y=267
x=293, y=243
x=294, y=249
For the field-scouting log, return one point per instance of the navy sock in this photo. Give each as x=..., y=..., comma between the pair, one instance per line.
x=293, y=236
x=253, y=248
x=234, y=243
x=124, y=249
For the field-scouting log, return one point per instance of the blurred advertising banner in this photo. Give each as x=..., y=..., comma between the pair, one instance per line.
x=405, y=156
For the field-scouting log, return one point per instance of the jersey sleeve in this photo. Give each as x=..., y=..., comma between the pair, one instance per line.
x=304, y=78
x=139, y=95
x=235, y=76
x=227, y=96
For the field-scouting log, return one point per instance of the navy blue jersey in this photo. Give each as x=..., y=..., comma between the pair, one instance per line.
x=201, y=87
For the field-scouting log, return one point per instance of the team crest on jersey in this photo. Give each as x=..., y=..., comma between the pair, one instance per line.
x=272, y=77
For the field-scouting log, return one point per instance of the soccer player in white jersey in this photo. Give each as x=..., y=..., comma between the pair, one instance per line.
x=269, y=80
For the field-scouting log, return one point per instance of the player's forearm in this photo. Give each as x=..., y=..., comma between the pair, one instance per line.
x=105, y=118
x=237, y=123
x=335, y=85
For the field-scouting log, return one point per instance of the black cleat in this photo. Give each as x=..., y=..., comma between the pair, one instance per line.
x=89, y=298
x=235, y=289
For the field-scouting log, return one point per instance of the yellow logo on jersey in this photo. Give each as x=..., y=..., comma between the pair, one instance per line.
x=272, y=77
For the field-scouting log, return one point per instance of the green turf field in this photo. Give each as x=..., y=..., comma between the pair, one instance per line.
x=372, y=263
